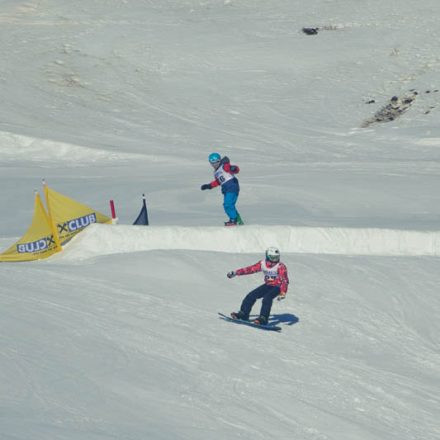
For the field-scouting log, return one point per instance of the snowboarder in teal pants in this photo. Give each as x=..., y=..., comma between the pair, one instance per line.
x=224, y=176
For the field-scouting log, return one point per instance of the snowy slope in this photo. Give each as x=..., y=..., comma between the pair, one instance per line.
x=110, y=349
x=118, y=336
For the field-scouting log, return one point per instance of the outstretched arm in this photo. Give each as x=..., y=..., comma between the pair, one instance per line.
x=210, y=185
x=245, y=270
x=248, y=269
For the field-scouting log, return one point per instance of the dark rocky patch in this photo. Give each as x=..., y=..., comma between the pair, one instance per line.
x=393, y=109
x=315, y=30
x=310, y=31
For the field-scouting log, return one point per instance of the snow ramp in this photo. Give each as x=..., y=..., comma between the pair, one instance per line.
x=99, y=240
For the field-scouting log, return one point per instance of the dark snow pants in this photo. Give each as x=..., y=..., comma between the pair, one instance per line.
x=268, y=293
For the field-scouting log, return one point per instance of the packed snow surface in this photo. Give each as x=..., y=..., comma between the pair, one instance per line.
x=104, y=240
x=118, y=337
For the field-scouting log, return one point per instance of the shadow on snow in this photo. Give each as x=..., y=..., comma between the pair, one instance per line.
x=283, y=318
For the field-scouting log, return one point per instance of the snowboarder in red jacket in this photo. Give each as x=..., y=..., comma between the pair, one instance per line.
x=224, y=176
x=275, y=285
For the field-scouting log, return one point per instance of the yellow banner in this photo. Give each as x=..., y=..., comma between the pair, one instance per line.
x=39, y=240
x=69, y=216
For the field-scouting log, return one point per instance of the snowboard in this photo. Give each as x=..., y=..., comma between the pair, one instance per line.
x=269, y=327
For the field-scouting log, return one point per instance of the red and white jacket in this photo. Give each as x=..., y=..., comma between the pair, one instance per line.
x=225, y=176
x=275, y=274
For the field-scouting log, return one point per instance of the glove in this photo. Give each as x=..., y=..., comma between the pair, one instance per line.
x=225, y=160
x=281, y=296
x=233, y=168
x=205, y=186
x=231, y=274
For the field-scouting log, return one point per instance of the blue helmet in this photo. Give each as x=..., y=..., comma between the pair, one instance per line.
x=214, y=158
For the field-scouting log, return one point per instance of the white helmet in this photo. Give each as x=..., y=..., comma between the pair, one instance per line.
x=273, y=254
